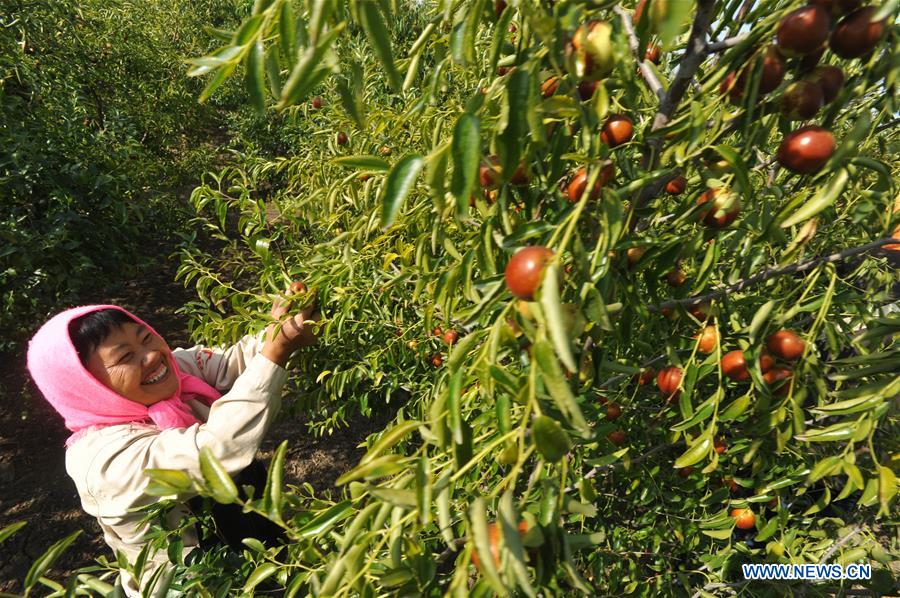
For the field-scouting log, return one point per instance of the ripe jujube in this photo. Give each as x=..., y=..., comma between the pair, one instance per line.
x=548, y=87
x=786, y=345
x=806, y=150
x=450, y=336
x=802, y=100
x=709, y=338
x=802, y=31
x=494, y=535
x=720, y=446
x=734, y=365
x=342, y=138
x=743, y=518
x=668, y=380
x=617, y=130
x=577, y=185
x=776, y=375
x=613, y=411
x=617, y=437
x=676, y=186
x=829, y=78
x=524, y=270
x=857, y=34
x=676, y=277
x=720, y=207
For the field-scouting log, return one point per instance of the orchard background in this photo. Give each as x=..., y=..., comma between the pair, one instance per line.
x=692, y=365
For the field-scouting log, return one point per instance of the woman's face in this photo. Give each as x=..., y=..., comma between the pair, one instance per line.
x=135, y=363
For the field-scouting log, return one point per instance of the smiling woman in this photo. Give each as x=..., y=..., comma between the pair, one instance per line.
x=125, y=356
x=133, y=403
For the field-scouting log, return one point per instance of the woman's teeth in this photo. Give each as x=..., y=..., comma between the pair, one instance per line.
x=159, y=375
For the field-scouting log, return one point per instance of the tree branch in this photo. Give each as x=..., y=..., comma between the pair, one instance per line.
x=648, y=74
x=772, y=273
x=695, y=53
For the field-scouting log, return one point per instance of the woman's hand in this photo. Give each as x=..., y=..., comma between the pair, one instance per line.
x=286, y=335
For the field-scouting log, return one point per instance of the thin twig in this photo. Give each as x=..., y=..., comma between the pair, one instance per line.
x=719, y=586
x=713, y=47
x=772, y=273
x=647, y=72
x=593, y=472
x=839, y=543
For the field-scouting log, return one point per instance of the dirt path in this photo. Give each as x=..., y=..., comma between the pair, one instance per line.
x=35, y=487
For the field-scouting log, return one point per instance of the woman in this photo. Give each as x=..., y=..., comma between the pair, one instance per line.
x=133, y=403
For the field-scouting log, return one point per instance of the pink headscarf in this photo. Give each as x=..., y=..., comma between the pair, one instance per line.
x=83, y=401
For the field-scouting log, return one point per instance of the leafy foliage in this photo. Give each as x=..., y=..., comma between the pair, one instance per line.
x=94, y=137
x=513, y=420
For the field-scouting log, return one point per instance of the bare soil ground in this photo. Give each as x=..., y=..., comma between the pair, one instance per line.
x=34, y=486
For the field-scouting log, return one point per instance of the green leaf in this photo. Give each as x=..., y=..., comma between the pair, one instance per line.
x=887, y=489
x=850, y=405
x=740, y=169
x=695, y=452
x=461, y=350
x=473, y=19
x=272, y=492
x=220, y=484
x=46, y=560
x=453, y=407
x=273, y=73
x=768, y=530
x=826, y=196
x=325, y=520
x=363, y=162
x=704, y=410
x=466, y=151
x=445, y=522
x=164, y=482
x=509, y=527
x=308, y=71
x=11, y=529
x=557, y=385
x=394, y=496
x=479, y=532
x=255, y=79
x=550, y=301
x=375, y=468
x=735, y=409
x=826, y=467
x=260, y=574
x=512, y=138
x=218, y=79
x=424, y=489
x=760, y=318
x=390, y=438
x=551, y=440
x=321, y=11
x=400, y=181
x=718, y=534
x=287, y=33
x=499, y=38
x=247, y=30
x=830, y=434
x=379, y=38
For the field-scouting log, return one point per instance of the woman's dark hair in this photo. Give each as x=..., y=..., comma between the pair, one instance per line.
x=90, y=330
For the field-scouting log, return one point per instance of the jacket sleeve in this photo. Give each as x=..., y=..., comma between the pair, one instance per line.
x=113, y=471
x=220, y=366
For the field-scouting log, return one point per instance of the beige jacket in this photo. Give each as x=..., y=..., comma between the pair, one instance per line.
x=107, y=464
